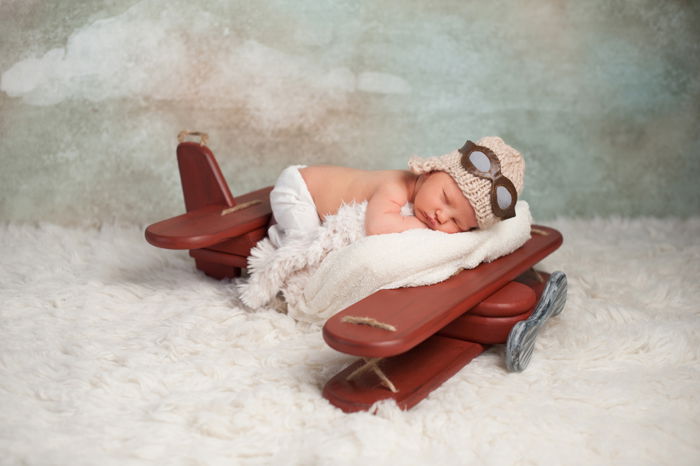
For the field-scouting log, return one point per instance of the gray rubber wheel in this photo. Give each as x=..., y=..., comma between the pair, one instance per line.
x=521, y=339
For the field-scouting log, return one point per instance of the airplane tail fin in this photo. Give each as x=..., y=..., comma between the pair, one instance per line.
x=203, y=183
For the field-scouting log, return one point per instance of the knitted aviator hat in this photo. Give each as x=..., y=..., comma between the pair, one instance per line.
x=477, y=190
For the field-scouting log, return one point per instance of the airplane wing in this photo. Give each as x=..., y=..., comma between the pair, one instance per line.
x=400, y=319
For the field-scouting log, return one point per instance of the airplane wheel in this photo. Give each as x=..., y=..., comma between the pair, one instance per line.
x=521, y=339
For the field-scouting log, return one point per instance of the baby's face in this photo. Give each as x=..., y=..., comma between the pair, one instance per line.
x=440, y=204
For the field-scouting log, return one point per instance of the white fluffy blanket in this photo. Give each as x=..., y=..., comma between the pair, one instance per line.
x=113, y=352
x=322, y=274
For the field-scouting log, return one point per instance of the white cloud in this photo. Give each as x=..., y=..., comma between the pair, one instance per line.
x=159, y=51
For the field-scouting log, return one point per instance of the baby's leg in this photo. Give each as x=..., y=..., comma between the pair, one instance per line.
x=292, y=206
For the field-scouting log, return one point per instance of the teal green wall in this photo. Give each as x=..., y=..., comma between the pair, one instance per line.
x=602, y=97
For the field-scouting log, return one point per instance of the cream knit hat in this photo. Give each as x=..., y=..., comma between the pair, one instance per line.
x=476, y=190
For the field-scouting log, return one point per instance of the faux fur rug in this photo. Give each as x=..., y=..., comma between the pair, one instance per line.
x=113, y=352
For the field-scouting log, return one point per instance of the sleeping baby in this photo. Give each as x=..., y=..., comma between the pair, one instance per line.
x=472, y=187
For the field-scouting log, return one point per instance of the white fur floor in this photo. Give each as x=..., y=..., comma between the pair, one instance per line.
x=115, y=352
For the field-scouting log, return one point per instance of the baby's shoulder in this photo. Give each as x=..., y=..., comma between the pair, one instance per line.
x=394, y=182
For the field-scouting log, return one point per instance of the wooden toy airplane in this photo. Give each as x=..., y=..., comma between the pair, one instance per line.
x=411, y=339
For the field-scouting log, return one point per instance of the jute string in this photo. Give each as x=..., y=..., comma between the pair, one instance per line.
x=238, y=207
x=203, y=137
x=373, y=364
x=538, y=276
x=368, y=321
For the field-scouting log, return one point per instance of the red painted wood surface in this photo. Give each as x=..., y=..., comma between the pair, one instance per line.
x=215, y=268
x=240, y=245
x=206, y=226
x=414, y=374
x=480, y=329
x=216, y=257
x=425, y=367
x=203, y=183
x=419, y=312
x=513, y=299
x=494, y=327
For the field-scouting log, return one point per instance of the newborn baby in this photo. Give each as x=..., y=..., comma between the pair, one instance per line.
x=473, y=187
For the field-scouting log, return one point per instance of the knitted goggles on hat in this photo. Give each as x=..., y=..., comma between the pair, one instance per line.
x=489, y=173
x=482, y=162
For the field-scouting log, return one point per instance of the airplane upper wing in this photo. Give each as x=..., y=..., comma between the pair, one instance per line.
x=419, y=312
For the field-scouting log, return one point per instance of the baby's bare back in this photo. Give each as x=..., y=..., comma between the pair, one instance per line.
x=331, y=186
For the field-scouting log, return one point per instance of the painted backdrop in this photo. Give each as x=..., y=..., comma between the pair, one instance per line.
x=602, y=97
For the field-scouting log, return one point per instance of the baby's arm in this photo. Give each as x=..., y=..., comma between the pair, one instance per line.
x=384, y=212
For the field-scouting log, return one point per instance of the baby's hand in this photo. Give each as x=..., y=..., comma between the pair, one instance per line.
x=384, y=216
x=384, y=223
x=414, y=222
x=384, y=211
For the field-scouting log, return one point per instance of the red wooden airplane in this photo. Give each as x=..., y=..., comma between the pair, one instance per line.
x=411, y=339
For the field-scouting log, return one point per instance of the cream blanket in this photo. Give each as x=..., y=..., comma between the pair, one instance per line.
x=323, y=274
